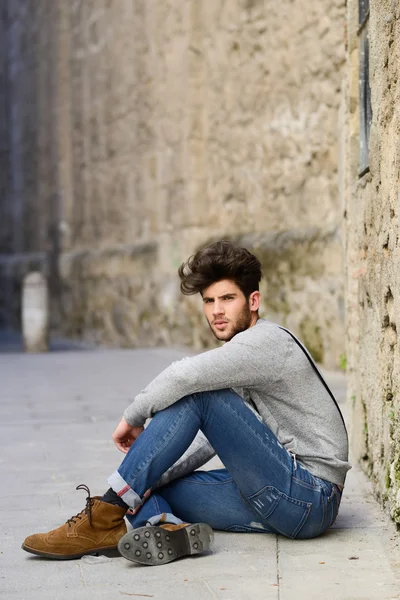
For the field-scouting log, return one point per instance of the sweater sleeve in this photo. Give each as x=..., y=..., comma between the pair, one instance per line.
x=239, y=363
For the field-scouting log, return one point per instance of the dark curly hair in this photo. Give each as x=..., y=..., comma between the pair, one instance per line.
x=221, y=260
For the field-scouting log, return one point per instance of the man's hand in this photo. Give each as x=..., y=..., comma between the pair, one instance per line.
x=125, y=435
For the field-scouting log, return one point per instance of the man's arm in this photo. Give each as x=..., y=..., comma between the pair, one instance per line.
x=239, y=363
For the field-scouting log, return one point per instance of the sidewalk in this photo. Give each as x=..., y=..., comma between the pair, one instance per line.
x=57, y=414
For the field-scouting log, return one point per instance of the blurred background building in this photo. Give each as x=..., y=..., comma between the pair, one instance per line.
x=135, y=131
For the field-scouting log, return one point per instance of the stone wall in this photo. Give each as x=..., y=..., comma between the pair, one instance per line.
x=153, y=127
x=373, y=256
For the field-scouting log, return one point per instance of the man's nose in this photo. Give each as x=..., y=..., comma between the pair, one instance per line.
x=218, y=308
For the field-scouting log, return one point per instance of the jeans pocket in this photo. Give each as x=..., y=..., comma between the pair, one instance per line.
x=285, y=514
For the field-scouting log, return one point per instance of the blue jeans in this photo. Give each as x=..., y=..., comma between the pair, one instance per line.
x=263, y=488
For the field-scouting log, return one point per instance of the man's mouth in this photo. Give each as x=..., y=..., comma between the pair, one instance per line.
x=220, y=323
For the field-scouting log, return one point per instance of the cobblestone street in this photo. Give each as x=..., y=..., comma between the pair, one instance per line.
x=58, y=412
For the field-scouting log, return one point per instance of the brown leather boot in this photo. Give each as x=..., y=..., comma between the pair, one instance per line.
x=99, y=526
x=160, y=544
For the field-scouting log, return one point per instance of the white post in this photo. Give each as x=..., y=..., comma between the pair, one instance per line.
x=35, y=313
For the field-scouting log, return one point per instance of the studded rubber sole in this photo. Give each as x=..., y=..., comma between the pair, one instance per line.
x=157, y=546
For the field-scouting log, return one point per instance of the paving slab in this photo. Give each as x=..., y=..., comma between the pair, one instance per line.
x=57, y=415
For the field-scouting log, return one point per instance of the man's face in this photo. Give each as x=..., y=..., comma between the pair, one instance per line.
x=227, y=310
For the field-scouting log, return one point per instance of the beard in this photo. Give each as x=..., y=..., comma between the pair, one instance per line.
x=241, y=323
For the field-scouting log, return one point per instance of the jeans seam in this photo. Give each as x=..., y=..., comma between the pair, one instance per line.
x=182, y=480
x=156, y=502
x=323, y=514
x=247, y=529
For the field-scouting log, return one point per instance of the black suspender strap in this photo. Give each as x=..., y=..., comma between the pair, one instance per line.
x=314, y=366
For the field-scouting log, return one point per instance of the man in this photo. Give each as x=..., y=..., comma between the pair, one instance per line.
x=258, y=401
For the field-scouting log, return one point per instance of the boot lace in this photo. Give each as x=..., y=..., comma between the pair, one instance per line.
x=86, y=511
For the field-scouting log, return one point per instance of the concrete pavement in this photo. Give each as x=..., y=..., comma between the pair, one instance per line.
x=57, y=414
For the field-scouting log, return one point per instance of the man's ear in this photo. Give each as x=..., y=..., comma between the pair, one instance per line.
x=254, y=300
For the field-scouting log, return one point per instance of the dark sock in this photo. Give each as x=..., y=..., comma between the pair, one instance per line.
x=112, y=498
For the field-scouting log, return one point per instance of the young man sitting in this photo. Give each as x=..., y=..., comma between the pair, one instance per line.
x=258, y=402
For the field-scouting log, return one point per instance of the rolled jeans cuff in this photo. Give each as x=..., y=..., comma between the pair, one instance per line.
x=122, y=489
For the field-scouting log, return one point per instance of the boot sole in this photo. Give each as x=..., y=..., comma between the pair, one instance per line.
x=67, y=556
x=157, y=546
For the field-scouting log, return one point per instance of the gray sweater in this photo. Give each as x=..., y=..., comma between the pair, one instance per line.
x=265, y=366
